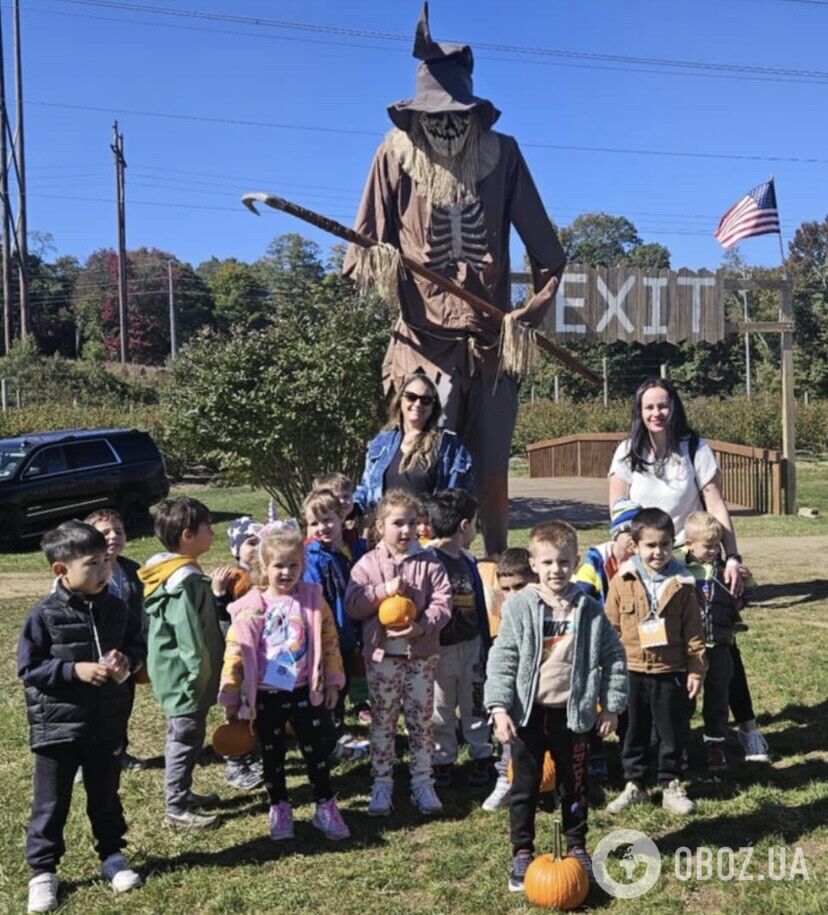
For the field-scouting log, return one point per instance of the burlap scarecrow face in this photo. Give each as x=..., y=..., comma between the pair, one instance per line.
x=446, y=132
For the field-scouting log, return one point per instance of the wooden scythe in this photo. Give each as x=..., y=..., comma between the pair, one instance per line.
x=356, y=238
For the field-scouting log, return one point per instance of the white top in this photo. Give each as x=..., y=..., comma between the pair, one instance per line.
x=677, y=491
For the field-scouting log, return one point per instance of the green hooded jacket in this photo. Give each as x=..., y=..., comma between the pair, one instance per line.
x=185, y=645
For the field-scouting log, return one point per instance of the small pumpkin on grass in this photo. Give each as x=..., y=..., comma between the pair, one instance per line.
x=554, y=881
x=548, y=774
x=397, y=612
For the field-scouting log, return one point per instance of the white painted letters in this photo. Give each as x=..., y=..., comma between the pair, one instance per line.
x=696, y=283
x=562, y=303
x=615, y=304
x=656, y=284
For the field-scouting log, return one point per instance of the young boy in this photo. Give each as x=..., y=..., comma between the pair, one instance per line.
x=185, y=650
x=125, y=584
x=464, y=643
x=513, y=573
x=229, y=583
x=603, y=561
x=76, y=652
x=555, y=658
x=343, y=488
x=328, y=562
x=652, y=605
x=702, y=554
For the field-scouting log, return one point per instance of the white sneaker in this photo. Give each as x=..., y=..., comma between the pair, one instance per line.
x=122, y=877
x=380, y=805
x=43, y=893
x=674, y=799
x=425, y=799
x=754, y=745
x=631, y=794
x=500, y=795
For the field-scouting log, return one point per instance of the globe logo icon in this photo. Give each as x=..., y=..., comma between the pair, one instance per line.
x=639, y=859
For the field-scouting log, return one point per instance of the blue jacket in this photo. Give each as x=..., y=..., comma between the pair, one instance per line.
x=332, y=571
x=454, y=466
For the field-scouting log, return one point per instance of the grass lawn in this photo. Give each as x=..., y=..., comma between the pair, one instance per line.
x=458, y=863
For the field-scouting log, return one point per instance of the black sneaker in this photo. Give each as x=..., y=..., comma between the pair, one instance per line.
x=520, y=864
x=481, y=774
x=130, y=763
x=442, y=776
x=582, y=855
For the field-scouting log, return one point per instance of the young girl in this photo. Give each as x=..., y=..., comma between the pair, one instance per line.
x=400, y=663
x=282, y=663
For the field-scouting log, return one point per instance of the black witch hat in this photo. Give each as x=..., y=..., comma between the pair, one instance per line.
x=444, y=81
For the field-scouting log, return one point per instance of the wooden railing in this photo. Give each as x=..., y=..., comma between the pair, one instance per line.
x=751, y=477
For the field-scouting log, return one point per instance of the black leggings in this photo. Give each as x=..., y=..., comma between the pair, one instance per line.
x=741, y=706
x=314, y=734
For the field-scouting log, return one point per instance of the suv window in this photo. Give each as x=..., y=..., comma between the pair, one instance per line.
x=10, y=459
x=94, y=453
x=135, y=446
x=48, y=461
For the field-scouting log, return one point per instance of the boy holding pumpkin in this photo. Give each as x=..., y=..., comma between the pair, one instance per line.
x=556, y=657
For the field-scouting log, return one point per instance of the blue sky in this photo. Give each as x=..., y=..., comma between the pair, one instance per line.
x=87, y=62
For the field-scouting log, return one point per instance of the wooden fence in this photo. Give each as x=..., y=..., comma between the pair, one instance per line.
x=751, y=477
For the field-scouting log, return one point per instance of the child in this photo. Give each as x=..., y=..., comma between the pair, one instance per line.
x=652, y=605
x=282, y=664
x=328, y=563
x=77, y=646
x=424, y=532
x=229, y=583
x=343, y=488
x=603, y=561
x=555, y=658
x=464, y=643
x=702, y=554
x=513, y=574
x=400, y=662
x=125, y=584
x=185, y=650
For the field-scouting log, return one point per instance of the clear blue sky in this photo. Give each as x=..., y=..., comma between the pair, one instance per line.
x=112, y=61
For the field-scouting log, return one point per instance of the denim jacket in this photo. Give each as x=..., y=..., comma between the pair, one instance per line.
x=454, y=466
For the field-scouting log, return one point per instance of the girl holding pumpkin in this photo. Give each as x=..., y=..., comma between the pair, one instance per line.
x=400, y=645
x=282, y=664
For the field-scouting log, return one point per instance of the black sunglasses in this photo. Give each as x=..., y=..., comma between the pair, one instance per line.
x=425, y=399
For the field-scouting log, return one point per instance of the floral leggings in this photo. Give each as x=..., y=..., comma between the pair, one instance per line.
x=400, y=683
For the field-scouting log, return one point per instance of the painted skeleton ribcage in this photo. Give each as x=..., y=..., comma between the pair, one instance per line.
x=457, y=233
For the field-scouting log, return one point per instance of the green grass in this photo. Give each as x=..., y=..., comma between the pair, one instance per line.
x=456, y=864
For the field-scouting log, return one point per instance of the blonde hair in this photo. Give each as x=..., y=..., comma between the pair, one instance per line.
x=425, y=446
x=279, y=542
x=396, y=498
x=321, y=501
x=703, y=526
x=556, y=533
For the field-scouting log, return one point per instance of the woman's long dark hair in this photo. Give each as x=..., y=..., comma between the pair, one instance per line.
x=677, y=425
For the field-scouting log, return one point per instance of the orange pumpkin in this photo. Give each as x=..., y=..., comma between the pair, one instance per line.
x=548, y=774
x=234, y=738
x=142, y=675
x=397, y=612
x=239, y=584
x=554, y=881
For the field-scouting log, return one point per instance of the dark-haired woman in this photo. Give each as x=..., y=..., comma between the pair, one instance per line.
x=665, y=464
x=412, y=452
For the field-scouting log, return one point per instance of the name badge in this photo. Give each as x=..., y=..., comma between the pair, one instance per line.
x=280, y=675
x=652, y=632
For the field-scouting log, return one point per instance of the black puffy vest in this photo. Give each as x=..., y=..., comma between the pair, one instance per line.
x=78, y=711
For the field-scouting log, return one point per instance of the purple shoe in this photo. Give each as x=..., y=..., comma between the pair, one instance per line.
x=281, y=821
x=329, y=820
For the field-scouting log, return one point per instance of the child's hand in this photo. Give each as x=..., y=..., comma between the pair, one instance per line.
x=410, y=632
x=96, y=674
x=231, y=714
x=505, y=729
x=694, y=682
x=220, y=580
x=331, y=697
x=607, y=723
x=394, y=587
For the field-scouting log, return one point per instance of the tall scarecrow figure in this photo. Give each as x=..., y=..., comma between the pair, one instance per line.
x=444, y=189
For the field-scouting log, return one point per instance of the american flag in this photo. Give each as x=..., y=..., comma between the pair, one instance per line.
x=754, y=214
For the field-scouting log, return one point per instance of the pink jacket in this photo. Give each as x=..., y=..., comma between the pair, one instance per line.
x=241, y=658
x=427, y=584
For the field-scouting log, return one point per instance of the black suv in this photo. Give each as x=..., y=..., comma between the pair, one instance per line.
x=47, y=477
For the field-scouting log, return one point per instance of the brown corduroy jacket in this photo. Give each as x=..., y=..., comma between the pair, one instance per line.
x=628, y=604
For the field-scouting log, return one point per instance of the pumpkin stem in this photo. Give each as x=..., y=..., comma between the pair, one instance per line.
x=556, y=840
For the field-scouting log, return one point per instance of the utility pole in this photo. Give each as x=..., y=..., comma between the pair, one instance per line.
x=663, y=370
x=5, y=203
x=173, y=343
x=557, y=389
x=743, y=294
x=120, y=164
x=22, y=243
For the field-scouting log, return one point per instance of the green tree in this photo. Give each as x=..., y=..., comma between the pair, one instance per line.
x=808, y=267
x=239, y=296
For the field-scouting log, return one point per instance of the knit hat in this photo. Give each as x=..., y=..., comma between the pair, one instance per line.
x=239, y=530
x=622, y=515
